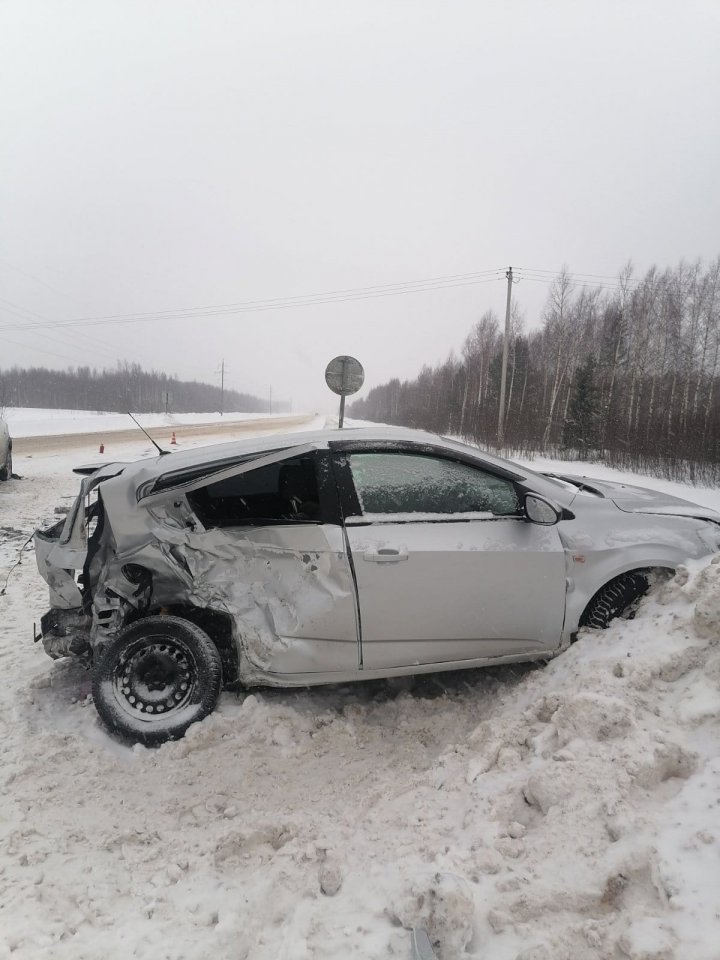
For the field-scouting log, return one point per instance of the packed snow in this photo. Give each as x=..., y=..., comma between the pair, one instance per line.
x=565, y=811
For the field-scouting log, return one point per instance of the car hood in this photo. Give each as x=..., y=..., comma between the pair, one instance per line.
x=633, y=499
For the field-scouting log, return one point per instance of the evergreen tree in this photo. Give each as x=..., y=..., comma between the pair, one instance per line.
x=581, y=430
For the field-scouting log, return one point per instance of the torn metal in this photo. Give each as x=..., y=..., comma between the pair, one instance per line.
x=287, y=591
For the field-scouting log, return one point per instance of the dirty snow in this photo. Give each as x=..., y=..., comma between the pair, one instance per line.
x=561, y=812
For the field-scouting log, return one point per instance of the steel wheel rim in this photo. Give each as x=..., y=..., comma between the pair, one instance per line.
x=155, y=677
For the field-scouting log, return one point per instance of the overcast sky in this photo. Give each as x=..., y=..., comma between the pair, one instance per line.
x=167, y=154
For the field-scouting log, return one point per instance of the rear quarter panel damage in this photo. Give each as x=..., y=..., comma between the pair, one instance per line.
x=287, y=588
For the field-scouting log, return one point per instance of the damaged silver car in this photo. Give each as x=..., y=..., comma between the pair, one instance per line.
x=337, y=556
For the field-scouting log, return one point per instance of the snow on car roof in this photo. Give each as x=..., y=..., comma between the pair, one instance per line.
x=157, y=466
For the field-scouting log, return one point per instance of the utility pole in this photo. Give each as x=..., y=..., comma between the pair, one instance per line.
x=222, y=386
x=341, y=418
x=503, y=378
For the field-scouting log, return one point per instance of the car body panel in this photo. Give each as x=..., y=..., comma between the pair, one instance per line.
x=62, y=549
x=633, y=499
x=59, y=574
x=289, y=589
x=452, y=594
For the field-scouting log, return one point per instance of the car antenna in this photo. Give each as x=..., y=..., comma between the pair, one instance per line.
x=162, y=452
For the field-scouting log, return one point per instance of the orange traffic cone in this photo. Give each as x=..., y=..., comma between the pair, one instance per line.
x=173, y=441
x=102, y=448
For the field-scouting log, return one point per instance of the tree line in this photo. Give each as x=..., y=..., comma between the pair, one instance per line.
x=126, y=387
x=628, y=375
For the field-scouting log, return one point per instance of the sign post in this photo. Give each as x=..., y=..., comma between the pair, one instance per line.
x=344, y=375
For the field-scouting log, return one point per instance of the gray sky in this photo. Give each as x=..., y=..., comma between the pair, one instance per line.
x=157, y=156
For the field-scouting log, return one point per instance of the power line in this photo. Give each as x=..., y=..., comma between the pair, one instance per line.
x=48, y=286
x=344, y=295
x=575, y=283
x=33, y=326
x=257, y=306
x=576, y=273
x=51, y=353
x=349, y=292
x=31, y=276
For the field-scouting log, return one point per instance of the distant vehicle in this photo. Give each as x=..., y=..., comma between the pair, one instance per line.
x=335, y=556
x=5, y=451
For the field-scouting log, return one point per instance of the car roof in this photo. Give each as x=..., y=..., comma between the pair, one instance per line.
x=198, y=456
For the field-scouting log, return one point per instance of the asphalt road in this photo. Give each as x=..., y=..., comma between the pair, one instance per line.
x=229, y=430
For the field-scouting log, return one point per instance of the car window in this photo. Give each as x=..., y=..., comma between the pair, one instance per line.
x=176, y=478
x=408, y=483
x=281, y=492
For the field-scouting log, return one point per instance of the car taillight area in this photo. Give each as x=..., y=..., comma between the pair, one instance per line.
x=63, y=554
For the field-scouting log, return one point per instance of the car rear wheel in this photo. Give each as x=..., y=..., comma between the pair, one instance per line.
x=6, y=470
x=156, y=678
x=618, y=598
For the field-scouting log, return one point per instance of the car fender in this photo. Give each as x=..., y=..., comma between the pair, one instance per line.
x=588, y=573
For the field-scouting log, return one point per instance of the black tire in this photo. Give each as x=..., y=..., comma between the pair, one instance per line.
x=618, y=598
x=6, y=471
x=156, y=678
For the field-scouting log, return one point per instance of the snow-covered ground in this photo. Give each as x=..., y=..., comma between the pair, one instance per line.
x=38, y=422
x=568, y=811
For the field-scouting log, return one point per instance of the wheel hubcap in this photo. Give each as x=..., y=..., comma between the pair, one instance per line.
x=155, y=677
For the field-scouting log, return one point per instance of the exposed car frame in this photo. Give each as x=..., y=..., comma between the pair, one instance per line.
x=147, y=582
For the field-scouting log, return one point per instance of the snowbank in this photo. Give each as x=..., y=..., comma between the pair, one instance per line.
x=566, y=811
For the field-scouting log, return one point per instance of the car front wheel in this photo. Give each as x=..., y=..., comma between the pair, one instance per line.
x=619, y=598
x=157, y=677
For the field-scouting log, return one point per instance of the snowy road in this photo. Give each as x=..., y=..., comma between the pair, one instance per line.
x=112, y=439
x=559, y=812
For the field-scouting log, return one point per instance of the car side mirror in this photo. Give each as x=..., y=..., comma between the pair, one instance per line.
x=540, y=510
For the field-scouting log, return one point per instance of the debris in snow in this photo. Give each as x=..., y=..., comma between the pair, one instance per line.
x=330, y=879
x=444, y=906
x=420, y=943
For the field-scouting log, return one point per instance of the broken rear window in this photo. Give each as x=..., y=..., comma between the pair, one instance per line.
x=282, y=492
x=176, y=478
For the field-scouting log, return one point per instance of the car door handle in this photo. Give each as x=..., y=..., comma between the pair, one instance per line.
x=385, y=555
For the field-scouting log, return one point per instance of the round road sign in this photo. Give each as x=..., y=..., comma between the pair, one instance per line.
x=344, y=375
